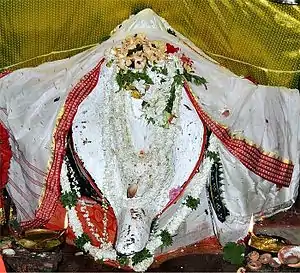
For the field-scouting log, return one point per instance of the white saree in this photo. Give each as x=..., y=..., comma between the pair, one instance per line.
x=255, y=131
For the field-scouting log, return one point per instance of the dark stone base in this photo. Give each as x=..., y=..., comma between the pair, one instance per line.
x=26, y=261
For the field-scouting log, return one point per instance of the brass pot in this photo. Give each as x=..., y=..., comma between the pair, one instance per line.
x=42, y=239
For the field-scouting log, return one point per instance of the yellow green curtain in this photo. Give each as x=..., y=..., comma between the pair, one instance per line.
x=250, y=37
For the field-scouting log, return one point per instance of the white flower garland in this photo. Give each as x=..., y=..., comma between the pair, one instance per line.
x=106, y=251
x=183, y=211
x=114, y=148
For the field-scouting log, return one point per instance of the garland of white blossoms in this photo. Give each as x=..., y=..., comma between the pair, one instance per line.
x=192, y=193
x=106, y=251
x=141, y=70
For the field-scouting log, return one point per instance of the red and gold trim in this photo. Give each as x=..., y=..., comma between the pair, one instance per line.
x=52, y=191
x=269, y=168
x=4, y=73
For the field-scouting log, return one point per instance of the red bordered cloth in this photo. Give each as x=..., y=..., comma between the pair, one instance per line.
x=253, y=158
x=52, y=192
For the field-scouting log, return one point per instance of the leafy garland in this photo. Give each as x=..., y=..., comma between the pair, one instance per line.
x=139, y=61
x=163, y=237
x=191, y=202
x=69, y=199
x=159, y=238
x=141, y=256
x=125, y=80
x=81, y=241
x=215, y=187
x=166, y=238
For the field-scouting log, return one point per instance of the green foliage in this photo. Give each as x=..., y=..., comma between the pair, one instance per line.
x=215, y=187
x=109, y=63
x=197, y=80
x=191, y=202
x=178, y=80
x=166, y=238
x=69, y=199
x=125, y=79
x=234, y=253
x=141, y=256
x=154, y=225
x=161, y=70
x=82, y=240
x=212, y=155
x=123, y=260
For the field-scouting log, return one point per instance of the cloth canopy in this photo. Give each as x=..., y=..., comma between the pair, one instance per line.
x=256, y=37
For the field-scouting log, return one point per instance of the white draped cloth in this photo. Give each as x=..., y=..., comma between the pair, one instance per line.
x=257, y=137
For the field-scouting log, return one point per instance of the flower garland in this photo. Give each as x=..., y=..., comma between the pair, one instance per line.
x=156, y=240
x=154, y=72
x=161, y=237
x=141, y=71
x=69, y=187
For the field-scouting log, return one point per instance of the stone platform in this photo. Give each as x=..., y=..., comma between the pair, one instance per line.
x=205, y=256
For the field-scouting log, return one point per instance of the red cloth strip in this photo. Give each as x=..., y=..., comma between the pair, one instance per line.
x=82, y=89
x=253, y=158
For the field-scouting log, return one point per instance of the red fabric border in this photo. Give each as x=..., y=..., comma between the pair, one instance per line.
x=5, y=156
x=52, y=191
x=4, y=73
x=267, y=167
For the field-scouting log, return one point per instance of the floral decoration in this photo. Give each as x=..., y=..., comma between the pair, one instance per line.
x=160, y=237
x=153, y=73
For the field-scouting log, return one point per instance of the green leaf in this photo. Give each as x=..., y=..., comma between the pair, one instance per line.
x=178, y=79
x=82, y=240
x=69, y=199
x=109, y=63
x=125, y=79
x=161, y=70
x=213, y=156
x=123, y=260
x=198, y=80
x=191, y=202
x=166, y=238
x=234, y=253
x=141, y=256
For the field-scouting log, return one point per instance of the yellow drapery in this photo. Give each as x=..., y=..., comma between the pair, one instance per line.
x=250, y=37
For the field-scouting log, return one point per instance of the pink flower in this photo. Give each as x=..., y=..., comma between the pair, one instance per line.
x=173, y=193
